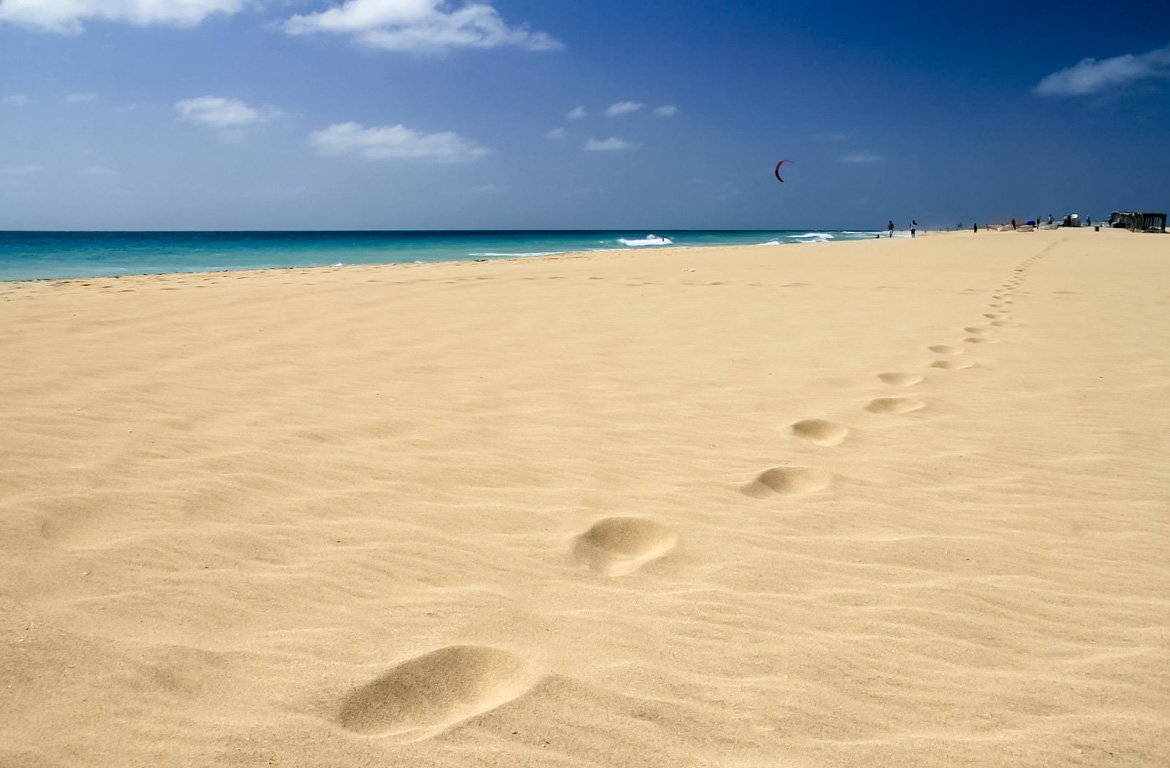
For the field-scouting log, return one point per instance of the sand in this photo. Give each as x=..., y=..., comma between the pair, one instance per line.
x=883, y=503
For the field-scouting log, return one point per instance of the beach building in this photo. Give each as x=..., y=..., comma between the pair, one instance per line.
x=1138, y=222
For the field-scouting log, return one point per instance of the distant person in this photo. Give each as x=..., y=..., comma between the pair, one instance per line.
x=913, y=227
x=1013, y=222
x=890, y=228
x=975, y=227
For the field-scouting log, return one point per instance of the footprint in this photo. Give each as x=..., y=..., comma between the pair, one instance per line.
x=975, y=330
x=974, y=340
x=820, y=431
x=616, y=546
x=950, y=365
x=900, y=379
x=428, y=694
x=894, y=405
x=788, y=481
x=946, y=349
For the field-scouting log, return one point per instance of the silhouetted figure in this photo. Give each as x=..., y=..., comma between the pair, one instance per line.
x=890, y=228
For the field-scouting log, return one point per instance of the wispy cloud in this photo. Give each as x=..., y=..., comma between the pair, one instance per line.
x=666, y=110
x=81, y=98
x=1093, y=76
x=219, y=112
x=576, y=113
x=14, y=100
x=394, y=142
x=15, y=176
x=623, y=108
x=557, y=134
x=21, y=170
x=612, y=144
x=420, y=26
x=67, y=16
x=860, y=157
x=487, y=189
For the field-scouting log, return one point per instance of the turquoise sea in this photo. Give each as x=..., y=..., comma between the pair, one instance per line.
x=44, y=255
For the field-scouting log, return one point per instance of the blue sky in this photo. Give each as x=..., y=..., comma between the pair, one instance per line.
x=420, y=114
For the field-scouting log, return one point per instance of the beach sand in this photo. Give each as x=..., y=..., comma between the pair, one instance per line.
x=883, y=503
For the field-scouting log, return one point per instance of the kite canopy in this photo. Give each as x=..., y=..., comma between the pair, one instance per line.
x=777, y=171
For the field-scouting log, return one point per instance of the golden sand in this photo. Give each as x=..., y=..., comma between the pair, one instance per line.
x=886, y=503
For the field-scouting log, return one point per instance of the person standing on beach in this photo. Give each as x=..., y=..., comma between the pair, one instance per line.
x=890, y=228
x=913, y=227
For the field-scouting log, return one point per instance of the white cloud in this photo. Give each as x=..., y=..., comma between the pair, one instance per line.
x=611, y=144
x=860, y=157
x=81, y=98
x=623, y=108
x=576, y=113
x=421, y=26
x=15, y=100
x=219, y=112
x=556, y=133
x=66, y=16
x=1092, y=76
x=394, y=141
x=666, y=110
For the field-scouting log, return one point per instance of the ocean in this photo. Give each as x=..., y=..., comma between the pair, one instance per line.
x=47, y=255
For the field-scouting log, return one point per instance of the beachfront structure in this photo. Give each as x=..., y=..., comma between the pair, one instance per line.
x=1138, y=222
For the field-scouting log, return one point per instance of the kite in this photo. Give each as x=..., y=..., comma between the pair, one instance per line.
x=777, y=171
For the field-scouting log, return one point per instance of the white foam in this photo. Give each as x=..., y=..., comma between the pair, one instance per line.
x=517, y=255
x=815, y=237
x=647, y=240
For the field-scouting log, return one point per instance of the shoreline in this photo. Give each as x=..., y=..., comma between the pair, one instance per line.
x=356, y=251
x=469, y=260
